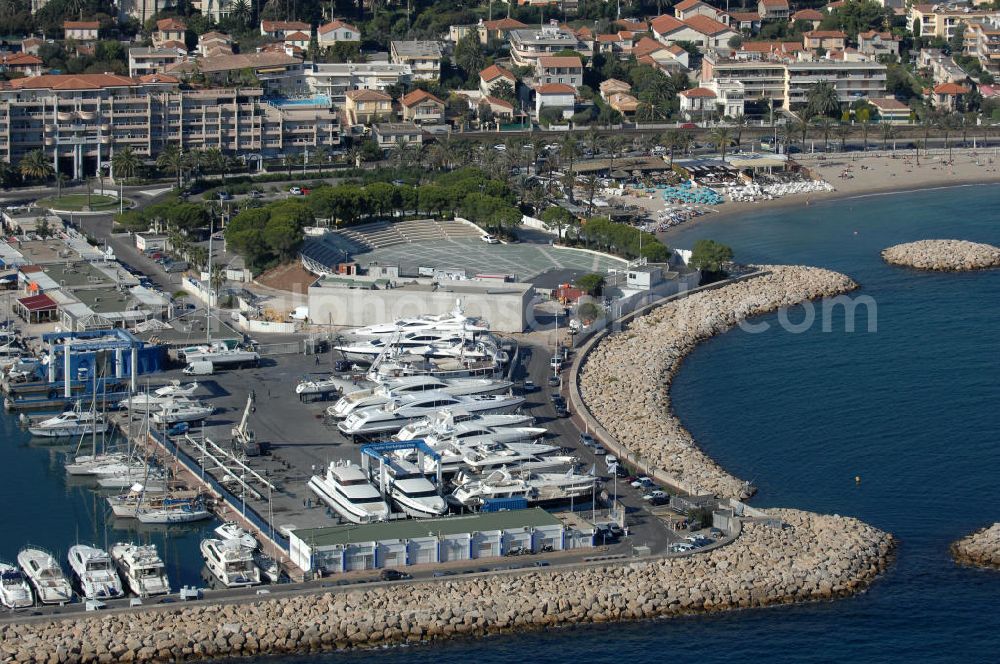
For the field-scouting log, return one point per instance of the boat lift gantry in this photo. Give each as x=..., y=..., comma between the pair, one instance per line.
x=381, y=451
x=221, y=457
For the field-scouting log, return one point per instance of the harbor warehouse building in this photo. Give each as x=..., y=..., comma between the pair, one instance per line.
x=401, y=543
x=347, y=300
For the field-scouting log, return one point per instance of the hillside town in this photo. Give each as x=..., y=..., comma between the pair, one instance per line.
x=276, y=80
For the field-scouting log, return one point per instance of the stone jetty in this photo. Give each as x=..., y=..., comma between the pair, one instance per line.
x=981, y=548
x=626, y=379
x=943, y=255
x=792, y=556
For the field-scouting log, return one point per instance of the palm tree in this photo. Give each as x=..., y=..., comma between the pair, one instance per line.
x=721, y=136
x=671, y=141
x=888, y=133
x=125, y=163
x=825, y=125
x=213, y=161
x=739, y=124
x=801, y=127
x=568, y=150
x=822, y=99
x=866, y=123
x=172, y=159
x=36, y=166
x=946, y=123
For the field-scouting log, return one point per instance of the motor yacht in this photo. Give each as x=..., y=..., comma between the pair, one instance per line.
x=142, y=568
x=346, y=489
x=226, y=357
x=15, y=592
x=411, y=491
x=533, y=486
x=70, y=423
x=397, y=413
x=175, y=411
x=146, y=401
x=231, y=563
x=45, y=576
x=323, y=386
x=231, y=530
x=270, y=570
x=453, y=320
x=444, y=422
x=94, y=572
x=399, y=387
x=424, y=343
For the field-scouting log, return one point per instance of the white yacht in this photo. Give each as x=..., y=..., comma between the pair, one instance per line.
x=174, y=411
x=94, y=572
x=70, y=423
x=444, y=422
x=126, y=504
x=185, y=512
x=402, y=364
x=347, y=490
x=85, y=464
x=410, y=489
x=231, y=563
x=45, y=575
x=322, y=385
x=15, y=593
x=153, y=480
x=231, y=530
x=270, y=570
x=142, y=568
x=454, y=320
x=484, y=458
x=534, y=486
x=395, y=414
x=152, y=400
x=114, y=468
x=425, y=343
x=224, y=357
x=399, y=387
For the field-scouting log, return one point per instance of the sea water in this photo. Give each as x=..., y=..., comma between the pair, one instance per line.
x=912, y=408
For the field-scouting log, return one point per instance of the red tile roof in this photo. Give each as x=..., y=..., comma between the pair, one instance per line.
x=807, y=15
x=560, y=61
x=686, y=4
x=72, y=82
x=646, y=46
x=706, y=25
x=297, y=36
x=889, y=104
x=665, y=24
x=81, y=25
x=336, y=24
x=496, y=71
x=555, y=89
x=826, y=34
x=504, y=24
x=495, y=101
x=950, y=89
x=367, y=95
x=697, y=92
x=776, y=4
x=171, y=25
x=21, y=60
x=415, y=97
x=274, y=26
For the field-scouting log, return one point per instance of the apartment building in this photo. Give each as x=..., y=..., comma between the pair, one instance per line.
x=366, y=106
x=878, y=43
x=498, y=30
x=941, y=20
x=141, y=10
x=335, y=79
x=825, y=39
x=169, y=30
x=789, y=82
x=941, y=67
x=216, y=9
x=982, y=40
x=276, y=73
x=80, y=120
x=424, y=58
x=559, y=69
x=526, y=46
x=81, y=30
x=143, y=60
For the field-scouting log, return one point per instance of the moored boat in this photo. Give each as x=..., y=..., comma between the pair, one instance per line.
x=15, y=591
x=142, y=568
x=231, y=563
x=346, y=489
x=94, y=572
x=46, y=577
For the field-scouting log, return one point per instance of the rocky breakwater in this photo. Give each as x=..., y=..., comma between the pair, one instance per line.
x=625, y=381
x=943, y=255
x=981, y=548
x=794, y=556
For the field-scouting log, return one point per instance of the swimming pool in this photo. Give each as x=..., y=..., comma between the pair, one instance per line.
x=315, y=100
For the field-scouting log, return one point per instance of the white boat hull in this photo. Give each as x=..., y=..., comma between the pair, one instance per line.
x=68, y=432
x=170, y=516
x=352, y=513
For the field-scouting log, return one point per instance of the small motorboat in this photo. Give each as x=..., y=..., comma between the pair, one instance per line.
x=46, y=577
x=231, y=530
x=15, y=592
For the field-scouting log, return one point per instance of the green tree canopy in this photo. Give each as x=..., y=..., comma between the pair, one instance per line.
x=591, y=283
x=710, y=255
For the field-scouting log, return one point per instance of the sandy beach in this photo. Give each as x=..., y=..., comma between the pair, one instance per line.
x=870, y=174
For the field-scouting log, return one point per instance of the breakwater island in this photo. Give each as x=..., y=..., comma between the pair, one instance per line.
x=981, y=548
x=792, y=556
x=943, y=255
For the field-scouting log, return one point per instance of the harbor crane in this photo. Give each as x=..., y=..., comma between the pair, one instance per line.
x=244, y=439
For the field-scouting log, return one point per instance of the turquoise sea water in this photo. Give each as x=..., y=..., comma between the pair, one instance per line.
x=911, y=408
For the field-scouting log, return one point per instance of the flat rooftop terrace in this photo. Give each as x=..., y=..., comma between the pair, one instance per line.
x=525, y=260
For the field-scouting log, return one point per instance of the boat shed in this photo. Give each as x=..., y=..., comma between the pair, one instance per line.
x=413, y=542
x=36, y=308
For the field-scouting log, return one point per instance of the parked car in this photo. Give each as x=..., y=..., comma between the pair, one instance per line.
x=587, y=439
x=655, y=494
x=641, y=481
x=295, y=191
x=556, y=362
x=554, y=381
x=394, y=575
x=489, y=239
x=611, y=460
x=529, y=386
x=225, y=196
x=561, y=411
x=599, y=451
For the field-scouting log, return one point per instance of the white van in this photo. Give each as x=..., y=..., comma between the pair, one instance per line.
x=201, y=368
